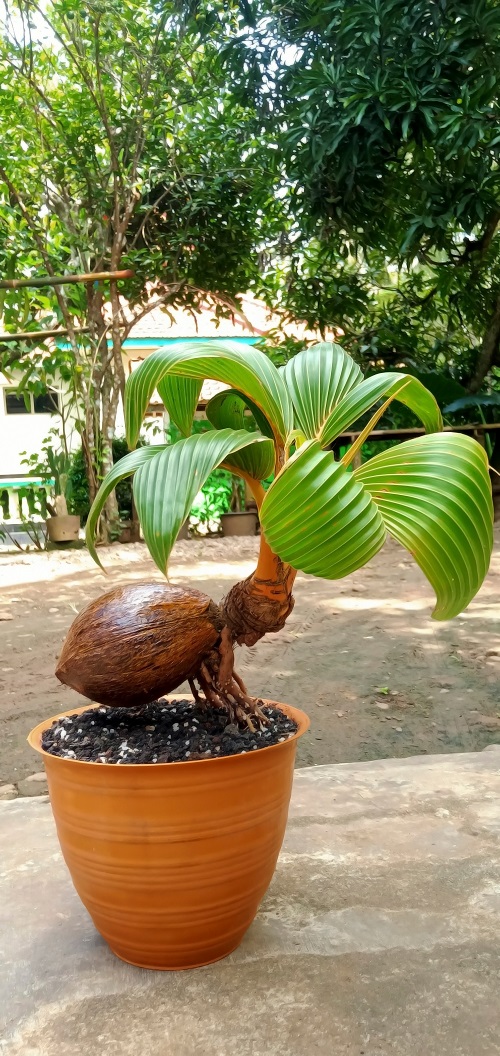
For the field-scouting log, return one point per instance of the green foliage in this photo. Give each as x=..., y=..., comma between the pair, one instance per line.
x=214, y=500
x=394, y=102
x=79, y=499
x=433, y=495
x=229, y=410
x=387, y=117
x=122, y=147
x=247, y=370
x=296, y=516
x=215, y=496
x=166, y=485
x=128, y=99
x=53, y=463
x=444, y=522
x=123, y=488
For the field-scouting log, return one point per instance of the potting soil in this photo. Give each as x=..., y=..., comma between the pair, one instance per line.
x=161, y=732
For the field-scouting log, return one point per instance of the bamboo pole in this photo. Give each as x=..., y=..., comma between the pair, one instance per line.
x=60, y=280
x=36, y=335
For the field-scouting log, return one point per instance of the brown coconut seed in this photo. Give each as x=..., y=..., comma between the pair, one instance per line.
x=135, y=643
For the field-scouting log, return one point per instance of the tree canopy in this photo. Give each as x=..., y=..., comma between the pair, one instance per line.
x=387, y=117
x=122, y=147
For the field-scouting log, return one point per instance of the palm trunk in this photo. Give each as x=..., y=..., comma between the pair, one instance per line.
x=254, y=607
x=262, y=603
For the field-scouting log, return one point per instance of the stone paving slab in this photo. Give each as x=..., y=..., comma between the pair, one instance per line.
x=379, y=935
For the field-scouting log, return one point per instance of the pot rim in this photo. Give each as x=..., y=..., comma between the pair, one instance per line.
x=34, y=739
x=240, y=513
x=60, y=516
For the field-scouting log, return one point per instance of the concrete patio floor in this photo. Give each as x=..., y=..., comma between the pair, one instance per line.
x=379, y=935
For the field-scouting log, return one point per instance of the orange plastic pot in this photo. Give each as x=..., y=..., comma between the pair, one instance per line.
x=172, y=859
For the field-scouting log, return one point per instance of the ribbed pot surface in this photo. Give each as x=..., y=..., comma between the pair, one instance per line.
x=172, y=859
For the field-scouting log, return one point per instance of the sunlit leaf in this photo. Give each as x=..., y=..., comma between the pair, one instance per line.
x=217, y=407
x=409, y=391
x=165, y=487
x=180, y=397
x=248, y=370
x=227, y=411
x=317, y=379
x=123, y=468
x=318, y=518
x=434, y=494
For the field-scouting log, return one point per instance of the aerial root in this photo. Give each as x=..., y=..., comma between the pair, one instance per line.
x=223, y=688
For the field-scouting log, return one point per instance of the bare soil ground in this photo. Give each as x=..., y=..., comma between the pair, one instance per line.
x=377, y=676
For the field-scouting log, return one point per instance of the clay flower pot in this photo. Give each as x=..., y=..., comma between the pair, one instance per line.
x=239, y=523
x=63, y=528
x=172, y=859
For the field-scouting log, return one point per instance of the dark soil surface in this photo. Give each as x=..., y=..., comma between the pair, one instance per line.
x=160, y=733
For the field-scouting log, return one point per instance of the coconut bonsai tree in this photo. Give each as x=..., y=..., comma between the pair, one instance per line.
x=172, y=860
x=320, y=515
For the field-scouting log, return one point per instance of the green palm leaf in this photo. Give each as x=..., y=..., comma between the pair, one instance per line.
x=434, y=495
x=318, y=518
x=227, y=411
x=165, y=486
x=219, y=410
x=317, y=379
x=256, y=461
x=249, y=371
x=180, y=397
x=408, y=390
x=123, y=468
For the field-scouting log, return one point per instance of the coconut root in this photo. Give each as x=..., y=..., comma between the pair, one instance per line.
x=223, y=688
x=257, y=606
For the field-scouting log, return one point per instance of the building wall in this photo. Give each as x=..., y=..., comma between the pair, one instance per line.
x=21, y=432
x=26, y=432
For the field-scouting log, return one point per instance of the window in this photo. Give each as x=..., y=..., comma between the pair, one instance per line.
x=48, y=403
x=14, y=403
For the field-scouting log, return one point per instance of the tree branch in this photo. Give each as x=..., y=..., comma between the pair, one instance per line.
x=62, y=280
x=480, y=245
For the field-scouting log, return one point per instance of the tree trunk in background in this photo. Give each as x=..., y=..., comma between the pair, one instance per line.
x=135, y=527
x=105, y=386
x=489, y=350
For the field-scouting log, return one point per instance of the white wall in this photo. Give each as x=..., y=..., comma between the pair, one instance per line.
x=22, y=432
x=26, y=432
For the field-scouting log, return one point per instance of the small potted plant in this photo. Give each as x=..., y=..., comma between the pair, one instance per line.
x=54, y=465
x=171, y=813
x=239, y=520
x=242, y=517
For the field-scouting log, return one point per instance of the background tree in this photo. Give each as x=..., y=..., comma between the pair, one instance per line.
x=388, y=121
x=121, y=147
